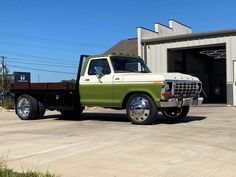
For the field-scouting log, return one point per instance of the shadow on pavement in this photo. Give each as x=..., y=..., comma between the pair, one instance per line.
x=121, y=117
x=113, y=117
x=162, y=120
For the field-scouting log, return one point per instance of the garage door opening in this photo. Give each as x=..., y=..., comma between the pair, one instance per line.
x=206, y=63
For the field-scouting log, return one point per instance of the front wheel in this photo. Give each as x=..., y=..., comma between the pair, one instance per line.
x=175, y=113
x=141, y=109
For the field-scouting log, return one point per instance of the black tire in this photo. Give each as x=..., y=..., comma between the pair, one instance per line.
x=26, y=107
x=41, y=110
x=175, y=113
x=71, y=114
x=141, y=109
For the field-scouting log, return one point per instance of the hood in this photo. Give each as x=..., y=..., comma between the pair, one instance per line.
x=155, y=77
x=179, y=76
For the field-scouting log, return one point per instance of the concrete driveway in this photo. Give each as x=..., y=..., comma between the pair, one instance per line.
x=106, y=144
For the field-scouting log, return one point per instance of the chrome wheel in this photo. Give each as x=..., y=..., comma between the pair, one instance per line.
x=27, y=107
x=139, y=109
x=23, y=107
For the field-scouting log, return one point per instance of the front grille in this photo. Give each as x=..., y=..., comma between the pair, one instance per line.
x=186, y=89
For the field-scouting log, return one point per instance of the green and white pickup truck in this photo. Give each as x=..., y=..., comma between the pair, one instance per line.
x=119, y=82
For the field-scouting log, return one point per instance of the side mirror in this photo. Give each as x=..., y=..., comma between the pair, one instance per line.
x=99, y=72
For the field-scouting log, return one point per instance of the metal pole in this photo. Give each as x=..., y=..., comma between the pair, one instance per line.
x=3, y=70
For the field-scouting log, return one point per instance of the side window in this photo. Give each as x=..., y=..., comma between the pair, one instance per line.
x=99, y=66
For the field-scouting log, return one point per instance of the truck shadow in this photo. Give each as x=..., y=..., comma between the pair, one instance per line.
x=112, y=117
x=121, y=117
x=162, y=120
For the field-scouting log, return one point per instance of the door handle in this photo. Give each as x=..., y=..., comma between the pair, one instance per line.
x=87, y=79
x=117, y=79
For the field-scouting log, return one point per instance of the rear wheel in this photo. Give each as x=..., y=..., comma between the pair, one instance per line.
x=41, y=110
x=26, y=107
x=141, y=109
x=175, y=113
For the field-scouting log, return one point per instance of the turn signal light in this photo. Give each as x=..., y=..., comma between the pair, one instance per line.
x=166, y=94
x=157, y=83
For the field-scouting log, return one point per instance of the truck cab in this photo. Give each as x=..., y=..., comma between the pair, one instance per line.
x=102, y=77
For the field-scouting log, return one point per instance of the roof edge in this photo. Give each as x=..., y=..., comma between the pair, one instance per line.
x=112, y=55
x=147, y=29
x=180, y=23
x=163, y=25
x=191, y=36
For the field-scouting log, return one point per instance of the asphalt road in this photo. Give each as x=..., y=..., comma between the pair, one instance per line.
x=106, y=144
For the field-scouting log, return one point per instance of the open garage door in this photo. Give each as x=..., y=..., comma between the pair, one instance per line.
x=208, y=64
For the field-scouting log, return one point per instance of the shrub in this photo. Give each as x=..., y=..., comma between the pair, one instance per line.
x=5, y=172
x=8, y=104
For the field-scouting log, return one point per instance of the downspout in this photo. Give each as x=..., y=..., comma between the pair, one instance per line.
x=145, y=52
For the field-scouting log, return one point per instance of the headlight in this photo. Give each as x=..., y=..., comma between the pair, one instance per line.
x=198, y=86
x=167, y=90
x=168, y=86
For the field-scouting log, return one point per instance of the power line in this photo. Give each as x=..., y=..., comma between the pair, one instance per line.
x=41, y=47
x=45, y=70
x=39, y=60
x=40, y=64
x=34, y=56
x=55, y=40
x=50, y=64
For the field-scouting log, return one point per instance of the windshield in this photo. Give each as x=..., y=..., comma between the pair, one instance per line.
x=129, y=65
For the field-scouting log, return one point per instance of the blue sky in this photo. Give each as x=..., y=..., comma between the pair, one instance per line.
x=51, y=34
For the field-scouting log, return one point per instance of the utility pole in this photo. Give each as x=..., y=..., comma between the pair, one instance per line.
x=38, y=78
x=3, y=74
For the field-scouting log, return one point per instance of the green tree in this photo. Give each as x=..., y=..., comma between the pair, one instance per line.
x=70, y=81
x=5, y=82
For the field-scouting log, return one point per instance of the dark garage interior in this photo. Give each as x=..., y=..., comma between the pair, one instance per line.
x=208, y=64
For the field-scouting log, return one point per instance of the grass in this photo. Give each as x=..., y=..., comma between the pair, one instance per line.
x=8, y=104
x=6, y=172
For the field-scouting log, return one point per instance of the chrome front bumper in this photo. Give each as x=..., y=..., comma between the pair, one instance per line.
x=174, y=102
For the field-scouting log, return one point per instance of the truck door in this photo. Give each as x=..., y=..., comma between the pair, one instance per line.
x=96, y=86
